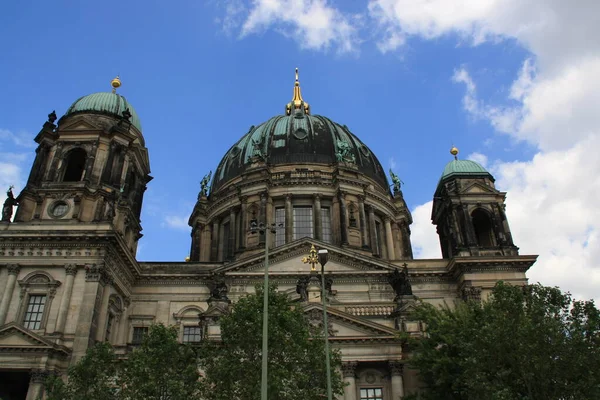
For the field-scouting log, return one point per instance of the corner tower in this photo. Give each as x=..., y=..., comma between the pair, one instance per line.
x=90, y=167
x=468, y=212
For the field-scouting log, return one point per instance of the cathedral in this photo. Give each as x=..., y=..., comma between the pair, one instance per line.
x=69, y=275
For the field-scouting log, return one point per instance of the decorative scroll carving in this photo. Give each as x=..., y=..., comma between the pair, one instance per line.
x=71, y=269
x=39, y=375
x=471, y=293
x=97, y=273
x=13, y=269
x=349, y=369
x=396, y=368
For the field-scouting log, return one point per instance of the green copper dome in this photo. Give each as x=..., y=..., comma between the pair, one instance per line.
x=463, y=168
x=105, y=103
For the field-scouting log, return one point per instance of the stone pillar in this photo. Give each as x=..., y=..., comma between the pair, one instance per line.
x=397, y=241
x=396, y=371
x=36, y=384
x=362, y=219
x=343, y=218
x=214, y=251
x=373, y=235
x=317, y=215
x=13, y=271
x=389, y=239
x=205, y=244
x=232, y=230
x=65, y=301
x=349, y=374
x=123, y=328
x=96, y=277
x=289, y=219
x=243, y=223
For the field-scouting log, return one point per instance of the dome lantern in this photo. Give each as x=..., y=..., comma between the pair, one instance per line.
x=297, y=102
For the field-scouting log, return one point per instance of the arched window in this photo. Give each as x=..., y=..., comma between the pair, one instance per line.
x=483, y=228
x=75, y=165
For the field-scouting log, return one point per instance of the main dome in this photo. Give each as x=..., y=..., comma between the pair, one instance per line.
x=105, y=103
x=298, y=138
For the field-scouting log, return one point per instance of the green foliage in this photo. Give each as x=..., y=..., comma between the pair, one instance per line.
x=161, y=368
x=92, y=378
x=296, y=366
x=522, y=343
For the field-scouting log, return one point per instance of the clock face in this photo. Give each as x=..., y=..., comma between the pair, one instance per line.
x=59, y=209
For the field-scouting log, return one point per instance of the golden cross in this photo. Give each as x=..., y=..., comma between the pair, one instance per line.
x=312, y=258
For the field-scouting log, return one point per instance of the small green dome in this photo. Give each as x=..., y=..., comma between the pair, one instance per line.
x=463, y=168
x=105, y=103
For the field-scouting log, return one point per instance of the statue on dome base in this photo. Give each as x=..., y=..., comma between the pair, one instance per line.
x=204, y=184
x=7, y=209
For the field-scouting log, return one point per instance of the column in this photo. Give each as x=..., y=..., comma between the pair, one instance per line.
x=232, y=231
x=63, y=311
x=36, y=384
x=13, y=271
x=343, y=218
x=289, y=219
x=124, y=327
x=349, y=375
x=373, y=234
x=389, y=239
x=214, y=252
x=396, y=371
x=243, y=222
x=398, y=243
x=96, y=277
x=317, y=213
x=205, y=244
x=362, y=219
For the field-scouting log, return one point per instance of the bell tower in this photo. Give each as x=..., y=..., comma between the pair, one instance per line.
x=468, y=212
x=91, y=167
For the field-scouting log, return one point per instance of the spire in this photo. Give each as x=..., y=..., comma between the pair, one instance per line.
x=115, y=83
x=297, y=102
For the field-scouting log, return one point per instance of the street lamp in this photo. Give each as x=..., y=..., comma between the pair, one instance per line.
x=263, y=229
x=321, y=257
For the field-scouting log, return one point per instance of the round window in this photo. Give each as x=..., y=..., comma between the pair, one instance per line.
x=59, y=209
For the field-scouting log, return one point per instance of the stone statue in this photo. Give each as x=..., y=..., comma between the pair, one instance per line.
x=397, y=183
x=204, y=184
x=258, y=152
x=399, y=282
x=7, y=209
x=219, y=289
x=302, y=286
x=344, y=153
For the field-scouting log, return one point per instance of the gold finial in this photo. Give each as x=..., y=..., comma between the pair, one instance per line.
x=454, y=152
x=187, y=259
x=297, y=102
x=115, y=83
x=312, y=258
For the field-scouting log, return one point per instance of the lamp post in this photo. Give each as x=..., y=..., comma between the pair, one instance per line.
x=263, y=229
x=321, y=257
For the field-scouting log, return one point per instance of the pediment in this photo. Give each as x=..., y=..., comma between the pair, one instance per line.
x=13, y=336
x=79, y=124
x=287, y=259
x=347, y=326
x=477, y=188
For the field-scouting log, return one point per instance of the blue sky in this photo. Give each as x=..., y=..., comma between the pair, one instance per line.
x=409, y=81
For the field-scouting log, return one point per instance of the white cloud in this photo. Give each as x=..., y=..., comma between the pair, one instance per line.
x=552, y=104
x=314, y=24
x=176, y=222
x=478, y=158
x=392, y=163
x=424, y=239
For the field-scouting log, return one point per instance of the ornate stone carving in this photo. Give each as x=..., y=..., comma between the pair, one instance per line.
x=396, y=368
x=471, y=293
x=399, y=282
x=344, y=152
x=70, y=269
x=218, y=288
x=302, y=286
x=38, y=375
x=13, y=269
x=97, y=273
x=349, y=369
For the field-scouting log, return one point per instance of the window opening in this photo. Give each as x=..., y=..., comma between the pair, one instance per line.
x=191, y=334
x=75, y=165
x=280, y=221
x=326, y=224
x=303, y=222
x=483, y=228
x=371, y=394
x=139, y=332
x=35, y=311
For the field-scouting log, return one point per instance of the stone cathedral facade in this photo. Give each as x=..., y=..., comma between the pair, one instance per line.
x=69, y=275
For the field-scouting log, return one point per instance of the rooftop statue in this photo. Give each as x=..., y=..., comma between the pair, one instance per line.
x=204, y=184
x=344, y=152
x=397, y=183
x=7, y=209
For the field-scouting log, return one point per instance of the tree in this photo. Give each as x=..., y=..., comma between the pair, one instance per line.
x=531, y=342
x=296, y=362
x=160, y=369
x=92, y=378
